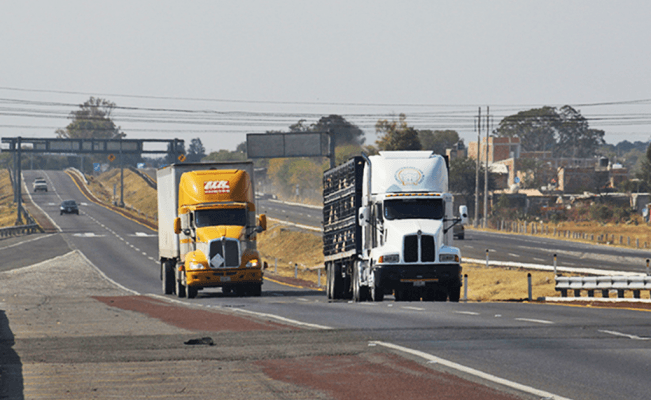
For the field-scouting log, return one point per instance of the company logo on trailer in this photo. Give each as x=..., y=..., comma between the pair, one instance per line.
x=211, y=187
x=409, y=176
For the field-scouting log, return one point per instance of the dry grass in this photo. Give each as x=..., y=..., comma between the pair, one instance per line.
x=288, y=247
x=137, y=193
x=8, y=213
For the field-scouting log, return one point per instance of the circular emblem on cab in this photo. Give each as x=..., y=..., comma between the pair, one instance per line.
x=409, y=176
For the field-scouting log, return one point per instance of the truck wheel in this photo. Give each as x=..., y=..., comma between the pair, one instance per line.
x=180, y=288
x=441, y=295
x=255, y=289
x=377, y=292
x=337, y=282
x=329, y=282
x=360, y=293
x=191, y=292
x=167, y=276
x=455, y=293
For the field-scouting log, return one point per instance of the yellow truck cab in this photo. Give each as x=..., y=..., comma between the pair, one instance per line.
x=207, y=229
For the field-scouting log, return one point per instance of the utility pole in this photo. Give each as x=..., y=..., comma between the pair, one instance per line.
x=485, y=220
x=476, y=219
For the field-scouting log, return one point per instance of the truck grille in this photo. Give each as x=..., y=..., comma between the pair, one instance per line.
x=228, y=250
x=412, y=248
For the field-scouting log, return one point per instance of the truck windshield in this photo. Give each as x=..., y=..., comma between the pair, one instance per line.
x=413, y=209
x=223, y=216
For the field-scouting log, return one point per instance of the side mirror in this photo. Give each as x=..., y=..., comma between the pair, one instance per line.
x=463, y=214
x=177, y=225
x=262, y=222
x=363, y=216
x=265, y=265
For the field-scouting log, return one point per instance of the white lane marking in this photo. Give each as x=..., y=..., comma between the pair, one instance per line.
x=540, y=259
x=514, y=255
x=501, y=381
x=143, y=234
x=413, y=308
x=467, y=312
x=301, y=299
x=624, y=335
x=26, y=241
x=282, y=319
x=87, y=234
x=537, y=321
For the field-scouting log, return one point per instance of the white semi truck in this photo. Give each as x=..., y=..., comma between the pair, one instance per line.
x=388, y=224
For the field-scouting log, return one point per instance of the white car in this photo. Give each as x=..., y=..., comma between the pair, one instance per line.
x=39, y=185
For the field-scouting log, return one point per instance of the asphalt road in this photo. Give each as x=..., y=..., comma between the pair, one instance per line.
x=574, y=352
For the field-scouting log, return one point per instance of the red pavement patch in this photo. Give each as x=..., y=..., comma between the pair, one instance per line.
x=376, y=376
x=187, y=318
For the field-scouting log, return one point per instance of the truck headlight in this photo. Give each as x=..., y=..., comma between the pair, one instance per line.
x=449, y=258
x=253, y=264
x=389, y=258
x=196, y=266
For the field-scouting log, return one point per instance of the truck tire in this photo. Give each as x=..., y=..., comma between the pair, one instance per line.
x=179, y=288
x=360, y=293
x=191, y=292
x=377, y=292
x=455, y=293
x=337, y=282
x=329, y=291
x=167, y=277
x=255, y=289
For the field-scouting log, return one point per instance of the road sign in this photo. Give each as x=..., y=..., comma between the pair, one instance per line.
x=96, y=167
x=111, y=157
x=181, y=157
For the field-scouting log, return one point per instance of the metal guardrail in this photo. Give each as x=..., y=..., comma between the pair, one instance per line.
x=19, y=230
x=603, y=283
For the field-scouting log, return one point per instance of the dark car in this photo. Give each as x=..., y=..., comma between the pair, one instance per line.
x=69, y=207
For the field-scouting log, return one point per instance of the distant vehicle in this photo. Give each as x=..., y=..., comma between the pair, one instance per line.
x=40, y=185
x=458, y=231
x=265, y=196
x=69, y=207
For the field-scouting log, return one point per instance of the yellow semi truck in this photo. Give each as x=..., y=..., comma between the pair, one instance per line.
x=207, y=229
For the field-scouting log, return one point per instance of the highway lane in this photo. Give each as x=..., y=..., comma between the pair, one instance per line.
x=295, y=213
x=575, y=352
x=540, y=250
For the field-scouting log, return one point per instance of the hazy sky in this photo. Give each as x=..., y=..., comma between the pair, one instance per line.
x=217, y=70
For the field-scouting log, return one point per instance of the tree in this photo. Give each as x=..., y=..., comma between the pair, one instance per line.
x=225, y=155
x=462, y=180
x=575, y=138
x=438, y=141
x=91, y=121
x=397, y=135
x=565, y=132
x=536, y=128
x=196, y=151
x=644, y=175
x=344, y=131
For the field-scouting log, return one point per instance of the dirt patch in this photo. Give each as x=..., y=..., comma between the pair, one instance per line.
x=376, y=376
x=182, y=317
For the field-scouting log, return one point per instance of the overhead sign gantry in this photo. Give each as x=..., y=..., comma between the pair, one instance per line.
x=111, y=147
